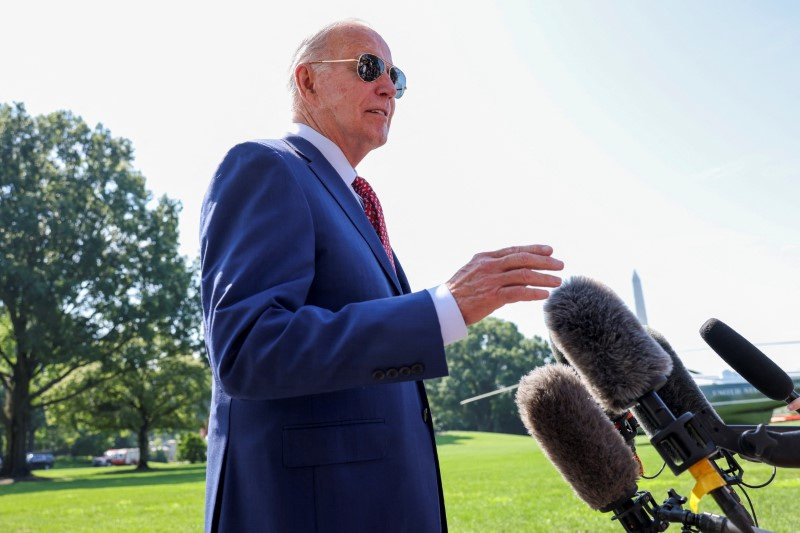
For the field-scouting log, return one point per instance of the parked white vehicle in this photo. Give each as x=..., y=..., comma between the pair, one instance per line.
x=123, y=456
x=101, y=460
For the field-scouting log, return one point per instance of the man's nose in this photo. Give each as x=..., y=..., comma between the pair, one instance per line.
x=386, y=85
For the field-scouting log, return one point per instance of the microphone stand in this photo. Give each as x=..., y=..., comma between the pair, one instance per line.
x=642, y=515
x=686, y=444
x=673, y=511
x=684, y=441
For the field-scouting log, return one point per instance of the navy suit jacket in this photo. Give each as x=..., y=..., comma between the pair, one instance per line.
x=319, y=420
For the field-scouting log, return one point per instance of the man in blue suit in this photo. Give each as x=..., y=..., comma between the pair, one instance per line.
x=318, y=347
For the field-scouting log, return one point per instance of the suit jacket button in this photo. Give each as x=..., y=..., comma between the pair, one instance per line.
x=378, y=375
x=417, y=369
x=405, y=371
x=391, y=373
x=426, y=414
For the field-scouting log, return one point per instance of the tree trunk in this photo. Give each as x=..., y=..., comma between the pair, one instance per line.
x=31, y=433
x=15, y=464
x=144, y=448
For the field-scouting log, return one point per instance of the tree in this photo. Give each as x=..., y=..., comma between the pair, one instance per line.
x=89, y=264
x=494, y=355
x=90, y=443
x=165, y=392
x=159, y=385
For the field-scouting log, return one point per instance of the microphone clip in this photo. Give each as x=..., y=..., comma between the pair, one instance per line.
x=627, y=426
x=757, y=441
x=640, y=514
x=681, y=441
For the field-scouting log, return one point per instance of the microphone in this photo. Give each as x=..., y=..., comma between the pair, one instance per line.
x=774, y=447
x=681, y=395
x=623, y=365
x=768, y=444
x=624, y=423
x=748, y=361
x=680, y=392
x=593, y=458
x=581, y=442
x=590, y=325
x=577, y=437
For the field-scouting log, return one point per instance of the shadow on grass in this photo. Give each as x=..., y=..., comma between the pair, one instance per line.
x=443, y=439
x=113, y=479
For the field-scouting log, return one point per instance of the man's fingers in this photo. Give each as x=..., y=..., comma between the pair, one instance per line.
x=519, y=293
x=537, y=249
x=529, y=261
x=493, y=279
x=525, y=277
x=534, y=257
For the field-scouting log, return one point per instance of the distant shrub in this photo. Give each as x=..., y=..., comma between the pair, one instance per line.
x=192, y=448
x=159, y=456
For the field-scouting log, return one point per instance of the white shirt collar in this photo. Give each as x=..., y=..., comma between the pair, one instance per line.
x=329, y=150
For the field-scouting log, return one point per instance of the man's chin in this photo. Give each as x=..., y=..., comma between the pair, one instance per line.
x=381, y=138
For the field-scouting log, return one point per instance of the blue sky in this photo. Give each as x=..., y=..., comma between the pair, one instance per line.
x=655, y=136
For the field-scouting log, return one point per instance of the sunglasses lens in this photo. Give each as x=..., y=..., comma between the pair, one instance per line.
x=370, y=67
x=399, y=80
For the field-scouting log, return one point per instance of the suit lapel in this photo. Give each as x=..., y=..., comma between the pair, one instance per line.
x=335, y=185
x=401, y=275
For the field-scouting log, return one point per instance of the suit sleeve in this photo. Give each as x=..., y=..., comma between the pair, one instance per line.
x=258, y=265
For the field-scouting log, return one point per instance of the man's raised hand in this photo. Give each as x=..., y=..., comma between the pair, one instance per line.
x=493, y=279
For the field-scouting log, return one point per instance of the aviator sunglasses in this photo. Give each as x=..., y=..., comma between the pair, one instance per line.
x=370, y=67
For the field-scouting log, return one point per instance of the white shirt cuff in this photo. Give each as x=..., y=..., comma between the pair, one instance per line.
x=451, y=320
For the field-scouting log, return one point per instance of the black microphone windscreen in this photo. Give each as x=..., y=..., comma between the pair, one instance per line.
x=680, y=393
x=747, y=360
x=577, y=436
x=604, y=341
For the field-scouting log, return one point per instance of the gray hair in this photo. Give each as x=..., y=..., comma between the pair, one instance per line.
x=312, y=48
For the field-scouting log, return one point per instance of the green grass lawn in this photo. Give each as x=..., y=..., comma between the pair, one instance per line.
x=492, y=483
x=108, y=499
x=504, y=483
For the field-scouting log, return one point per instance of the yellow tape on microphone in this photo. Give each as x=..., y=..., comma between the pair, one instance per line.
x=707, y=478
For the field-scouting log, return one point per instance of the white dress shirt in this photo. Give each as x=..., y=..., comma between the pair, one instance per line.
x=451, y=322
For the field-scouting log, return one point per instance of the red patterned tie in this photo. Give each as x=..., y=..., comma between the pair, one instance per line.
x=372, y=207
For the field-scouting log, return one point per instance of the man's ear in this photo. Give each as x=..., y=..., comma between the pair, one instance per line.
x=306, y=79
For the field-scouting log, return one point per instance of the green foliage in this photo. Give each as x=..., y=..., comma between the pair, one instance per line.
x=192, y=448
x=494, y=355
x=125, y=440
x=89, y=267
x=160, y=456
x=169, y=392
x=91, y=444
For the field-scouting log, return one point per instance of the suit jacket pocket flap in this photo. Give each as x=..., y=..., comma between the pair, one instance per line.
x=341, y=442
